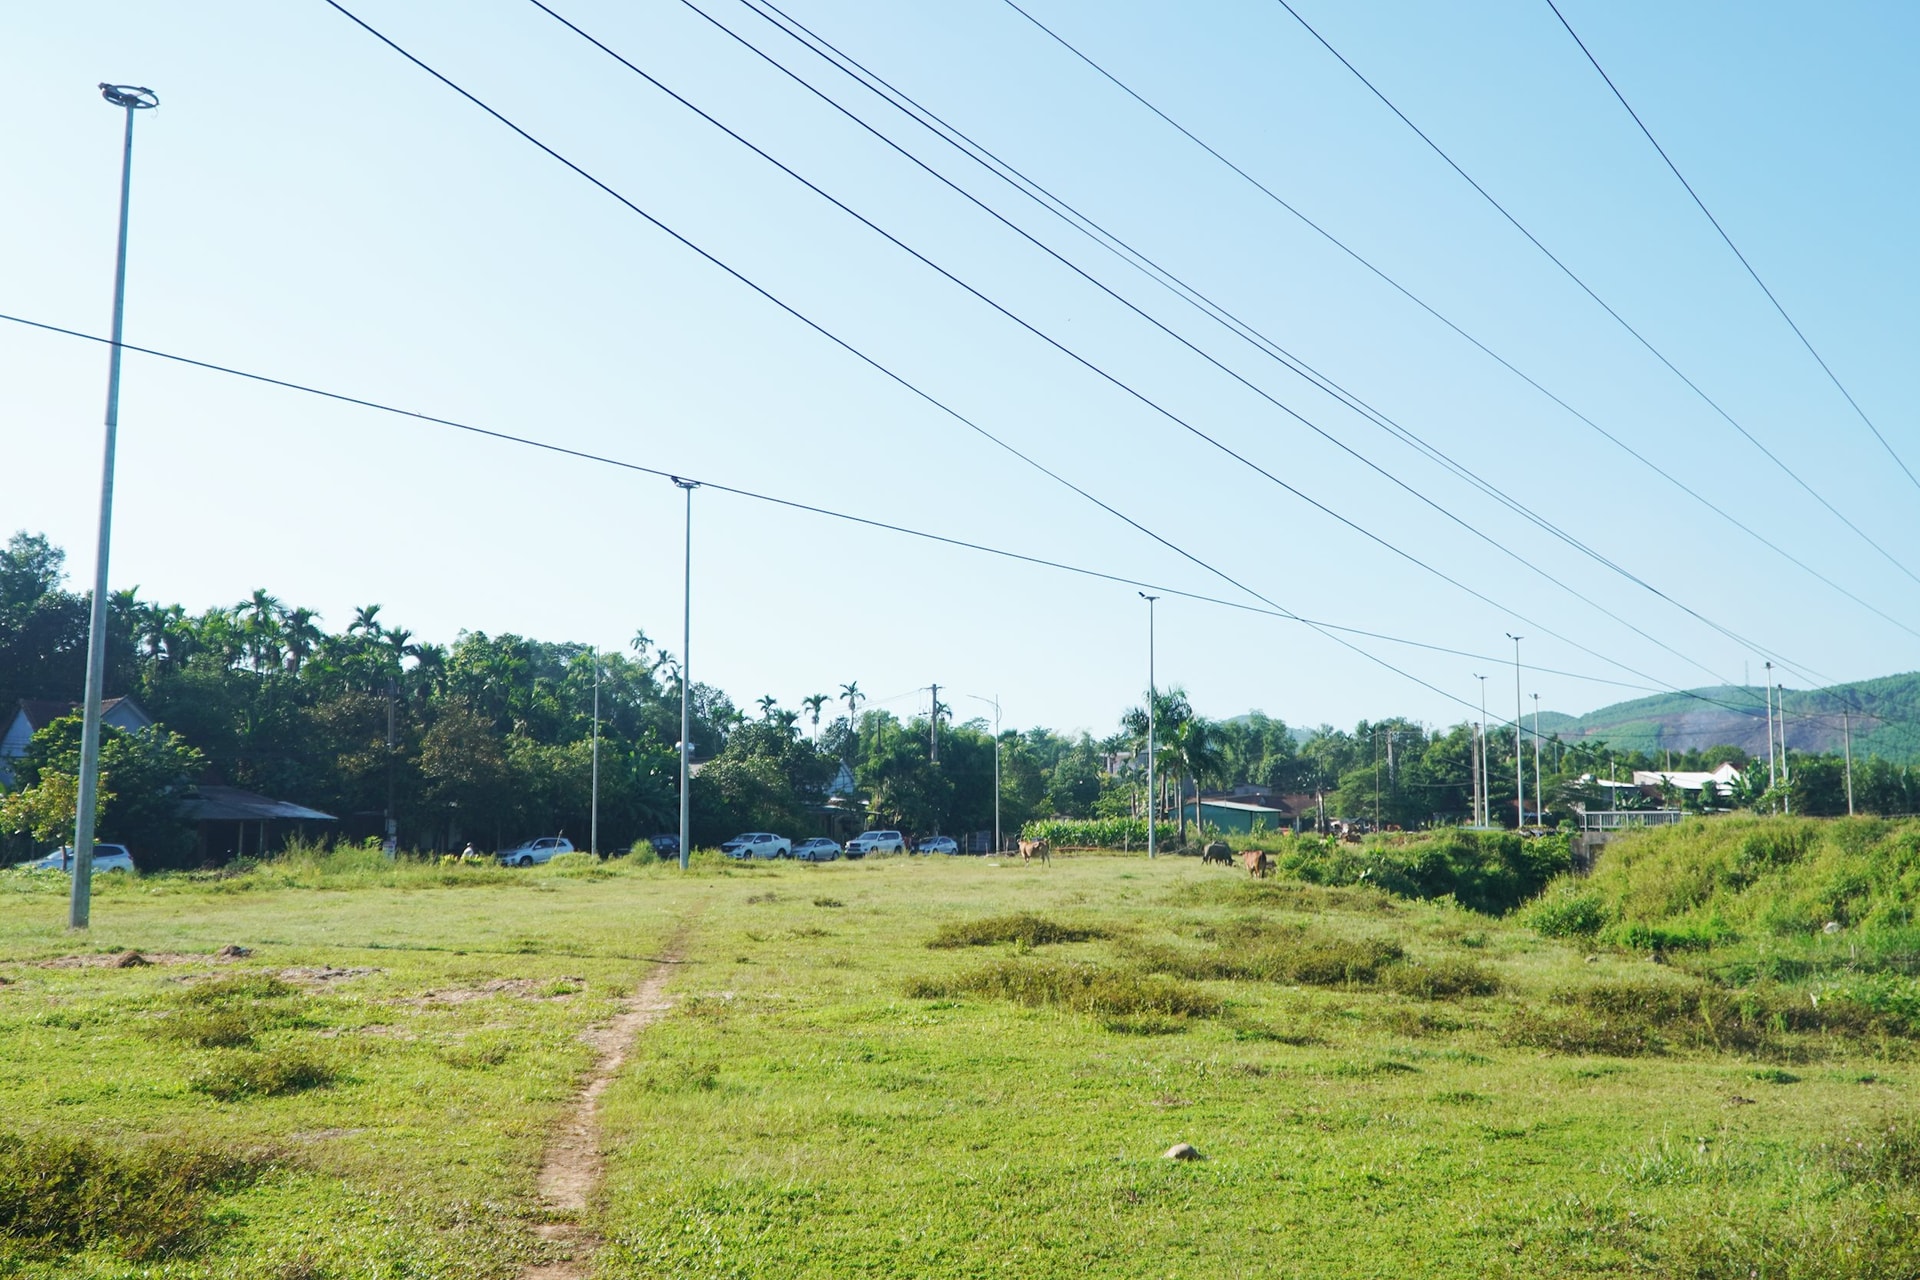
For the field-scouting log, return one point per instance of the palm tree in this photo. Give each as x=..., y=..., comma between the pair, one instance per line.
x=365, y=618
x=260, y=617
x=851, y=695
x=767, y=703
x=302, y=637
x=813, y=702
x=1194, y=748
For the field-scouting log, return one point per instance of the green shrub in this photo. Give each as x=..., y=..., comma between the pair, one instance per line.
x=208, y=1028
x=1099, y=833
x=1567, y=911
x=1081, y=987
x=1022, y=927
x=59, y=1195
x=235, y=1076
x=1443, y=979
x=1291, y=955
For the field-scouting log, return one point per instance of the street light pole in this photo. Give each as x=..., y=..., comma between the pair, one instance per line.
x=1519, y=774
x=1152, y=697
x=131, y=99
x=686, y=680
x=994, y=702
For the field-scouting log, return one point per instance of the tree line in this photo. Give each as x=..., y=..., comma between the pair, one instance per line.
x=490, y=739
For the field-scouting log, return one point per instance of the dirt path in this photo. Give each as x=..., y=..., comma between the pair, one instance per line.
x=572, y=1166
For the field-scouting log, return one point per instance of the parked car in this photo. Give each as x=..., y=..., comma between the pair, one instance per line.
x=876, y=842
x=534, y=851
x=818, y=849
x=106, y=857
x=665, y=846
x=758, y=844
x=938, y=844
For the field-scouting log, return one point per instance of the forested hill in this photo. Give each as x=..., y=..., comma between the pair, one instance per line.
x=1885, y=716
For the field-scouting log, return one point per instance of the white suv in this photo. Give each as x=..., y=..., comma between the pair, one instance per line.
x=541, y=850
x=876, y=842
x=758, y=844
x=106, y=857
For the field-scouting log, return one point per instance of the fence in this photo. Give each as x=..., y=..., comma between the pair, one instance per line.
x=1621, y=819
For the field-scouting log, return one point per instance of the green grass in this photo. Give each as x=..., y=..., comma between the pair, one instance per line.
x=1379, y=1086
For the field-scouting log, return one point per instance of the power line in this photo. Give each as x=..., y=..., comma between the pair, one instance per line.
x=533, y=442
x=1132, y=391
x=1702, y=205
x=1475, y=342
x=1207, y=307
x=938, y=404
x=1602, y=302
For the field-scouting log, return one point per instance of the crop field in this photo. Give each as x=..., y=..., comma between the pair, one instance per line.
x=951, y=1067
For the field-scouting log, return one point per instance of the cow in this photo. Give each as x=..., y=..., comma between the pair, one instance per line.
x=1031, y=849
x=1259, y=865
x=1217, y=851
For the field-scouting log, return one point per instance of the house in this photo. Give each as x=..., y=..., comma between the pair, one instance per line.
x=35, y=714
x=231, y=823
x=1654, y=781
x=1240, y=814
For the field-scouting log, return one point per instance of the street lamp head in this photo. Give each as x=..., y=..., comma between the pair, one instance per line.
x=1144, y=596
x=688, y=485
x=130, y=96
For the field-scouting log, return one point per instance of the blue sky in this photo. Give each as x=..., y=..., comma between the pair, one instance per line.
x=309, y=206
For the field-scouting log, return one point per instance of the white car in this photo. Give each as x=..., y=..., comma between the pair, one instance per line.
x=876, y=842
x=818, y=849
x=534, y=851
x=758, y=844
x=938, y=844
x=106, y=857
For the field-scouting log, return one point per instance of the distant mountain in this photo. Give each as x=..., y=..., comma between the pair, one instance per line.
x=1885, y=715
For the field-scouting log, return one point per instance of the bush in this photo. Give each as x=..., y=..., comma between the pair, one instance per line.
x=266, y=1075
x=1440, y=980
x=149, y=1199
x=1567, y=911
x=1023, y=927
x=1081, y=987
x=209, y=1029
x=1302, y=956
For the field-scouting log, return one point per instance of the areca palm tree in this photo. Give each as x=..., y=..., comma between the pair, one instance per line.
x=302, y=637
x=767, y=703
x=260, y=619
x=813, y=702
x=366, y=618
x=1194, y=747
x=851, y=695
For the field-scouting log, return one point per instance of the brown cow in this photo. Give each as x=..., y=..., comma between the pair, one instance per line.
x=1031, y=849
x=1258, y=863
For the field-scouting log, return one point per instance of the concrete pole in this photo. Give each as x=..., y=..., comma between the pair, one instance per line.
x=686, y=683
x=1152, y=697
x=1519, y=776
x=1539, y=796
x=1846, y=729
x=593, y=822
x=80, y=903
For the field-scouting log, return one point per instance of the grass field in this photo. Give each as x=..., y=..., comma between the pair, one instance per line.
x=922, y=1067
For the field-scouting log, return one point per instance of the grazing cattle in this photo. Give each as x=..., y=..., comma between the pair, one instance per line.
x=1258, y=863
x=1031, y=849
x=1217, y=851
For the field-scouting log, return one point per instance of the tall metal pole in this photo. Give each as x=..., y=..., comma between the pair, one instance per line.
x=593, y=823
x=1519, y=774
x=1152, y=697
x=686, y=683
x=1539, y=797
x=79, y=905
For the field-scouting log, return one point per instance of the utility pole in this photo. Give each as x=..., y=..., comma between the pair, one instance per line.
x=933, y=725
x=994, y=702
x=392, y=843
x=1772, y=777
x=1474, y=732
x=593, y=824
x=1486, y=763
x=1153, y=799
x=686, y=682
x=1846, y=729
x=1539, y=797
x=1519, y=777
x=80, y=904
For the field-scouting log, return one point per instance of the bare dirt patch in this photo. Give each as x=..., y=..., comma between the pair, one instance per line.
x=572, y=1166
x=523, y=988
x=327, y=974
x=124, y=960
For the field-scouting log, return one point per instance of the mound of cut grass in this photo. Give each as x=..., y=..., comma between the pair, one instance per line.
x=1081, y=987
x=1022, y=927
x=148, y=1200
x=1629, y=1019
